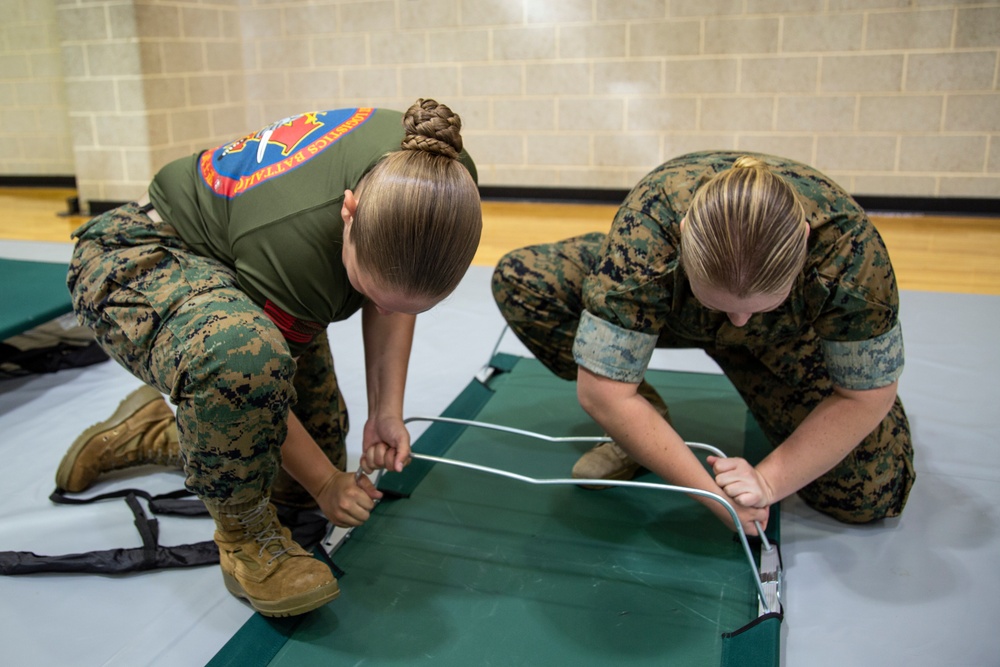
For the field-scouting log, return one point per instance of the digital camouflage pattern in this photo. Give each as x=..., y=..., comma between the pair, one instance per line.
x=179, y=322
x=321, y=408
x=839, y=324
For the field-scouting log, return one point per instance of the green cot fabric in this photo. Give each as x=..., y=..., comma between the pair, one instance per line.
x=472, y=568
x=33, y=293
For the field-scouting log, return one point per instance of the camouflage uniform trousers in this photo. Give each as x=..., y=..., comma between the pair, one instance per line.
x=179, y=322
x=539, y=292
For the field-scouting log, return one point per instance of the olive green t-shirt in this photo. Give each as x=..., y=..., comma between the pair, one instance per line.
x=269, y=206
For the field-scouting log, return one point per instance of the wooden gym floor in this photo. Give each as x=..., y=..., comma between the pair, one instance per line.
x=929, y=253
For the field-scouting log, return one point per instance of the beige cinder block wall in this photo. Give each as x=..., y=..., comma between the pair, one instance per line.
x=34, y=128
x=147, y=82
x=887, y=96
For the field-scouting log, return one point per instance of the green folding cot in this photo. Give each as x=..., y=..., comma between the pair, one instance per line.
x=33, y=293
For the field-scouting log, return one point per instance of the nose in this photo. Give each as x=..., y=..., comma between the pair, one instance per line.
x=739, y=319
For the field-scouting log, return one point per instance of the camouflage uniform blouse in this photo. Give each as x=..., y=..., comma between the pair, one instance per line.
x=638, y=298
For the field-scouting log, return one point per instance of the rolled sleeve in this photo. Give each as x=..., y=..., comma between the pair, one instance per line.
x=866, y=364
x=611, y=351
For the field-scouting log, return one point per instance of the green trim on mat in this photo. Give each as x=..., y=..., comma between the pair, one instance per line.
x=256, y=643
x=504, y=362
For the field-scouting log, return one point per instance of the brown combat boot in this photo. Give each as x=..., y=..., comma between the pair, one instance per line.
x=142, y=431
x=262, y=564
x=609, y=461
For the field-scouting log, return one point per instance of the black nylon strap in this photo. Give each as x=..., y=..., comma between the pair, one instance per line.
x=175, y=502
x=149, y=529
x=308, y=529
x=150, y=556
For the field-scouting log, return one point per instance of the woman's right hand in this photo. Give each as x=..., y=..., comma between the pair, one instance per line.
x=385, y=443
x=741, y=481
x=747, y=515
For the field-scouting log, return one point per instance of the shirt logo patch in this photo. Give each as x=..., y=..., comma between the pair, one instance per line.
x=276, y=149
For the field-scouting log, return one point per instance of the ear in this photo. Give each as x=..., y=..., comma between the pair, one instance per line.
x=349, y=208
x=683, y=221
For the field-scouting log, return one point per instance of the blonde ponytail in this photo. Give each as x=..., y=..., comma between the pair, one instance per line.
x=745, y=232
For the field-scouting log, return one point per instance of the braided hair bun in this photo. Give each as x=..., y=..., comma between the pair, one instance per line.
x=750, y=162
x=432, y=128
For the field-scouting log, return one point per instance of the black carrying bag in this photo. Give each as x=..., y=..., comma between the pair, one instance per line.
x=50, y=347
x=15, y=362
x=308, y=529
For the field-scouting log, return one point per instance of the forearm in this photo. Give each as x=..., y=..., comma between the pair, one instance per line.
x=303, y=459
x=345, y=501
x=828, y=434
x=640, y=430
x=388, y=339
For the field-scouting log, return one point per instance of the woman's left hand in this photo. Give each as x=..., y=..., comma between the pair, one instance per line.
x=385, y=444
x=346, y=500
x=741, y=481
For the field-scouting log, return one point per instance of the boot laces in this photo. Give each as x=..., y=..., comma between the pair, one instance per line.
x=155, y=446
x=260, y=525
x=151, y=446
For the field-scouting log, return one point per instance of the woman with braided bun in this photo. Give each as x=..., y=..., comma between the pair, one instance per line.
x=776, y=273
x=216, y=289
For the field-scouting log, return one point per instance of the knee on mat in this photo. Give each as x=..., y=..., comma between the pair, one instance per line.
x=506, y=274
x=857, y=509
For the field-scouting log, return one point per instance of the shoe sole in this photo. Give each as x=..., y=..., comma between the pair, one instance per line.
x=625, y=475
x=132, y=403
x=292, y=606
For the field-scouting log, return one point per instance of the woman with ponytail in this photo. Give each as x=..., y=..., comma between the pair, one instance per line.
x=774, y=271
x=216, y=288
